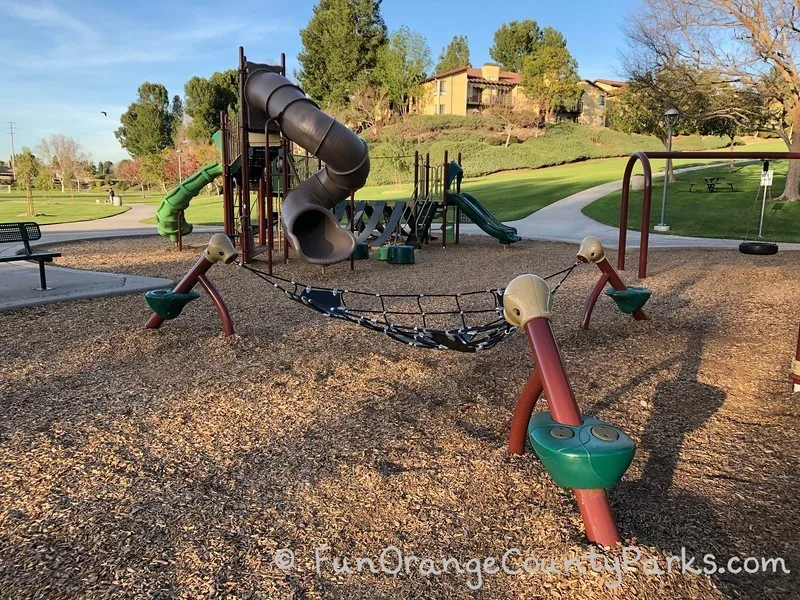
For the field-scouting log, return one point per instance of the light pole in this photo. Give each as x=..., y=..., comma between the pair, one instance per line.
x=670, y=118
x=180, y=171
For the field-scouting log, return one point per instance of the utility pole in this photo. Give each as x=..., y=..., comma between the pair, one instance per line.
x=13, y=153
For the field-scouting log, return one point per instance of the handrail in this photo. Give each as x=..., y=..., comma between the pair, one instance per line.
x=644, y=158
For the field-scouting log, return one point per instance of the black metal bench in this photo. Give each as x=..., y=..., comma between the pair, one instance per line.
x=26, y=233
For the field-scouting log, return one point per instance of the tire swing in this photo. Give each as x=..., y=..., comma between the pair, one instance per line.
x=760, y=247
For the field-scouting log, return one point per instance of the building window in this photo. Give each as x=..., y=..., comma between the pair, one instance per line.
x=601, y=121
x=442, y=86
x=441, y=109
x=601, y=101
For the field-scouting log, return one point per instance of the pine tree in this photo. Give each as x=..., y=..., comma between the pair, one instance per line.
x=148, y=122
x=340, y=49
x=514, y=41
x=455, y=55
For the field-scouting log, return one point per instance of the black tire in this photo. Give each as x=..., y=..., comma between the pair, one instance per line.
x=758, y=248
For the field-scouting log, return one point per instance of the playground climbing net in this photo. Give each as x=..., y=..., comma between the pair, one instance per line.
x=443, y=321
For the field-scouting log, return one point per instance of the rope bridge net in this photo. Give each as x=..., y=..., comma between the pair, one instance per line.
x=444, y=321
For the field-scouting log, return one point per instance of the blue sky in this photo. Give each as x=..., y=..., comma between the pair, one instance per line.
x=62, y=62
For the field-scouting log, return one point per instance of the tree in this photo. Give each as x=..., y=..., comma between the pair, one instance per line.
x=148, y=123
x=27, y=170
x=455, y=55
x=549, y=74
x=750, y=43
x=130, y=171
x=152, y=169
x=340, y=49
x=512, y=119
x=44, y=181
x=733, y=111
x=61, y=155
x=401, y=67
x=84, y=173
x=513, y=41
x=205, y=98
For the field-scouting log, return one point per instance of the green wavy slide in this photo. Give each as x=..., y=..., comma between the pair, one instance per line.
x=168, y=211
x=481, y=216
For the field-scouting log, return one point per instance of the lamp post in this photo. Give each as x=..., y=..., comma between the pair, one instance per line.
x=180, y=170
x=670, y=118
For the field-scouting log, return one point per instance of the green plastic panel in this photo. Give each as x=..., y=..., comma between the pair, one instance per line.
x=167, y=304
x=401, y=255
x=592, y=456
x=382, y=253
x=630, y=300
x=361, y=251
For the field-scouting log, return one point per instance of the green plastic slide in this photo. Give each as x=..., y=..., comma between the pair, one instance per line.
x=178, y=199
x=481, y=216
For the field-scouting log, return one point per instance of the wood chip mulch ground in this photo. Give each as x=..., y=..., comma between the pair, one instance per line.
x=175, y=463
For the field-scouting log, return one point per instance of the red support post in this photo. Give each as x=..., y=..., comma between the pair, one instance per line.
x=796, y=366
x=444, y=201
x=415, y=192
x=219, y=304
x=180, y=231
x=352, y=225
x=523, y=411
x=245, y=233
x=560, y=399
x=262, y=214
x=593, y=504
x=458, y=208
x=591, y=300
x=285, y=184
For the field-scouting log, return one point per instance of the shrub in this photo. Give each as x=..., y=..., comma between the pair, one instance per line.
x=481, y=141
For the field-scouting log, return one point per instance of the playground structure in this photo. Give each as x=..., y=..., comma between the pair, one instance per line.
x=302, y=207
x=585, y=455
x=644, y=159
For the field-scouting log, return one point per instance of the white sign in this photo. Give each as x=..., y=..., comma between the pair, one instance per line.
x=766, y=177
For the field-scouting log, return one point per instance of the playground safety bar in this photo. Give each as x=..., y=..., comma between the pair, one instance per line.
x=526, y=304
x=644, y=158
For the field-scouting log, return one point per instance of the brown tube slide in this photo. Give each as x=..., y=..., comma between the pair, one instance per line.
x=306, y=214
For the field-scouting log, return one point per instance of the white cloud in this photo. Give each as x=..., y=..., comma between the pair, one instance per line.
x=47, y=15
x=73, y=45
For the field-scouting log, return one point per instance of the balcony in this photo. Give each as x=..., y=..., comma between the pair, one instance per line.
x=484, y=100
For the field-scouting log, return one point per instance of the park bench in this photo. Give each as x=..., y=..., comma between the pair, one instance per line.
x=712, y=183
x=26, y=233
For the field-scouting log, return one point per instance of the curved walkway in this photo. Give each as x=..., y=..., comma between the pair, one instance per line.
x=563, y=221
x=19, y=281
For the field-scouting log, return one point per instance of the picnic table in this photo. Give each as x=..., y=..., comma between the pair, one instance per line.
x=712, y=183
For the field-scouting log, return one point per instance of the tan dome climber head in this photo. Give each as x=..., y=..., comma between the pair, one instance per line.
x=220, y=248
x=591, y=250
x=526, y=297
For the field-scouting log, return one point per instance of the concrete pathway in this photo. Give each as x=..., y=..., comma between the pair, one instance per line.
x=563, y=221
x=19, y=281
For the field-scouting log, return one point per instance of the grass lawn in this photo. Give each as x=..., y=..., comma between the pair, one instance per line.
x=516, y=194
x=723, y=214
x=509, y=196
x=60, y=210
